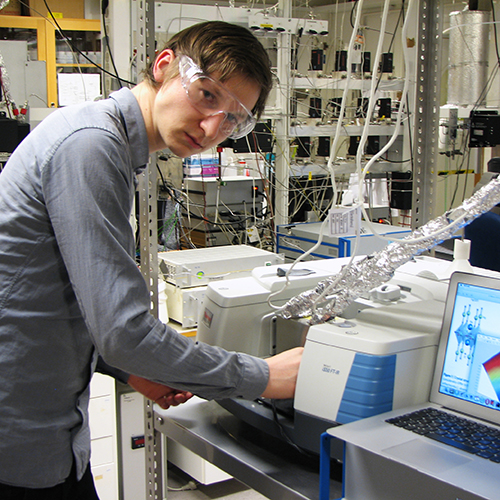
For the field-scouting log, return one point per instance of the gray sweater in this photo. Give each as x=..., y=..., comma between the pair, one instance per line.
x=70, y=291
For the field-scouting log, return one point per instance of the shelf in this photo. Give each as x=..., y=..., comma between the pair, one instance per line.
x=81, y=65
x=66, y=25
x=330, y=83
x=378, y=167
x=46, y=43
x=37, y=24
x=346, y=130
x=342, y=167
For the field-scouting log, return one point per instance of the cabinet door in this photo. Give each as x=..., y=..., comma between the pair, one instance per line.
x=45, y=43
x=22, y=47
x=103, y=431
x=76, y=50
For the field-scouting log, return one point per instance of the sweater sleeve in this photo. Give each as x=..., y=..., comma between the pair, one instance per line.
x=116, y=373
x=88, y=185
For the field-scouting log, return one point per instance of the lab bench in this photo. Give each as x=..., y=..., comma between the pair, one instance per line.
x=268, y=465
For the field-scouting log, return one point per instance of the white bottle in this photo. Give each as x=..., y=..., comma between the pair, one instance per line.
x=461, y=254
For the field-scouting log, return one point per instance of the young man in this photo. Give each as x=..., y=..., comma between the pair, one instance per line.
x=71, y=294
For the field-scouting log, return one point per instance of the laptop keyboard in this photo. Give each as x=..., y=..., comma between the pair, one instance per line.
x=452, y=430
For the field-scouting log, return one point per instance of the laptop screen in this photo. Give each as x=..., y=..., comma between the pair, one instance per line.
x=467, y=376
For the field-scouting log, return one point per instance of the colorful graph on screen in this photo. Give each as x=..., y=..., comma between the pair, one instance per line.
x=492, y=367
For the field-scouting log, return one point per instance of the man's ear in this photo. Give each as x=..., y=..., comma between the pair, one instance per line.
x=162, y=63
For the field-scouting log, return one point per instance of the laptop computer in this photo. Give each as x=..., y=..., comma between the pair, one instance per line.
x=466, y=382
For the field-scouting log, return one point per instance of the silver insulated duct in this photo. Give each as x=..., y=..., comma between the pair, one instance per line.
x=468, y=57
x=333, y=295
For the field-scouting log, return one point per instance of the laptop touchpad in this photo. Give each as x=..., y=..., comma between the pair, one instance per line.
x=426, y=455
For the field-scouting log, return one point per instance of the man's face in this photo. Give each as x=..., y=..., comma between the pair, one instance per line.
x=179, y=125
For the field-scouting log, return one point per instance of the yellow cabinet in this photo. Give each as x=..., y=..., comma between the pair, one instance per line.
x=47, y=38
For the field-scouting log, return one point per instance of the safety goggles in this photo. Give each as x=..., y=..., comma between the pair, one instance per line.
x=211, y=98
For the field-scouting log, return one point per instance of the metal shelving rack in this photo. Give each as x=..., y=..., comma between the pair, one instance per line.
x=426, y=121
x=425, y=152
x=148, y=222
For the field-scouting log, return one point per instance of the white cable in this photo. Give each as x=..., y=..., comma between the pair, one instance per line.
x=371, y=105
x=331, y=159
x=333, y=149
x=469, y=25
x=217, y=198
x=404, y=32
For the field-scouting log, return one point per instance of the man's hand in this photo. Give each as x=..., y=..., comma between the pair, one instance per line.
x=161, y=394
x=283, y=371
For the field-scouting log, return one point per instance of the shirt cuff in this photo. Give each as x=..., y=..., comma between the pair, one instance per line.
x=255, y=377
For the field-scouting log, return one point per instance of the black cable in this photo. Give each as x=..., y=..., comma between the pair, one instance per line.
x=352, y=13
x=401, y=14
x=458, y=171
x=495, y=31
x=397, y=161
x=106, y=38
x=460, y=167
x=73, y=47
x=379, y=79
x=171, y=192
x=466, y=178
x=295, y=50
x=410, y=140
x=283, y=434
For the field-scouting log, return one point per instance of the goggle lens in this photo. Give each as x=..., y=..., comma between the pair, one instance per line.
x=211, y=98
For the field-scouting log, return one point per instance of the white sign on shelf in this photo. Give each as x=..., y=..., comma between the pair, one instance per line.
x=74, y=88
x=344, y=221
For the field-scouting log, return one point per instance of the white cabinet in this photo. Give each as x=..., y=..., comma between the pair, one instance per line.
x=133, y=477
x=102, y=417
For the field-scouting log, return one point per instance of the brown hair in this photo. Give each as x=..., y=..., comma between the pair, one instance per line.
x=226, y=49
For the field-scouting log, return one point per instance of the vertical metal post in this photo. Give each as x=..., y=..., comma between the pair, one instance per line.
x=282, y=123
x=149, y=268
x=148, y=222
x=426, y=124
x=118, y=22
x=324, y=466
x=282, y=126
